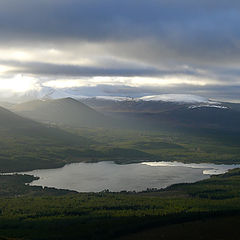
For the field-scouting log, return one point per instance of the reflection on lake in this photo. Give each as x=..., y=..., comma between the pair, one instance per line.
x=96, y=177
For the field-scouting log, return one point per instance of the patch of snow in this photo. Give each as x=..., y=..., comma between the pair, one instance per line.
x=181, y=98
x=208, y=105
x=115, y=98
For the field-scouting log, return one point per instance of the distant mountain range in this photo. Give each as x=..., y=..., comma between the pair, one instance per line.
x=67, y=108
x=155, y=112
x=53, y=93
x=173, y=111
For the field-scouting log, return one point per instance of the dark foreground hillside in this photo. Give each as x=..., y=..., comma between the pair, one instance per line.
x=226, y=227
x=183, y=209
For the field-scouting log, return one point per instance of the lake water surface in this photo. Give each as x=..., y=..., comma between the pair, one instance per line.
x=96, y=177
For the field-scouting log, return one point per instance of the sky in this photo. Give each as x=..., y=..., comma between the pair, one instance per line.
x=122, y=48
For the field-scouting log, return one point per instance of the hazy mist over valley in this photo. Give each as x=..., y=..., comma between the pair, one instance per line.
x=119, y=120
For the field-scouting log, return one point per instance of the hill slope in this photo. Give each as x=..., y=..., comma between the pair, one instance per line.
x=65, y=111
x=26, y=144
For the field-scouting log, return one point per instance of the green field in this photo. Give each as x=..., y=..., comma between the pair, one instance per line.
x=34, y=150
x=199, y=146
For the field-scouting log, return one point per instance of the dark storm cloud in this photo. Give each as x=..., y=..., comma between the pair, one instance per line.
x=207, y=29
x=98, y=19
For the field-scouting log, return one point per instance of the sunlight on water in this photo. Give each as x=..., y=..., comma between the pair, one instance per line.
x=211, y=169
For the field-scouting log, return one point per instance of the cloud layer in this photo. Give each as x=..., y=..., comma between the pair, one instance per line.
x=148, y=44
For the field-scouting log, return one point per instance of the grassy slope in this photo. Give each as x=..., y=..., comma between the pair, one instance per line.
x=29, y=150
x=27, y=145
x=185, y=146
x=44, y=147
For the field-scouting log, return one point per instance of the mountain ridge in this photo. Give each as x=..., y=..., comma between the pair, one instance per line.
x=63, y=111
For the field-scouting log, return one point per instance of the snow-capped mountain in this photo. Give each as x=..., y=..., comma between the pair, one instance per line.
x=155, y=103
x=180, y=98
x=152, y=102
x=115, y=98
x=174, y=98
x=171, y=110
x=219, y=106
